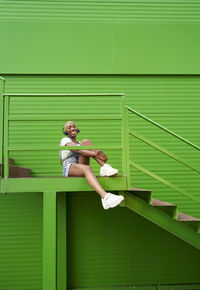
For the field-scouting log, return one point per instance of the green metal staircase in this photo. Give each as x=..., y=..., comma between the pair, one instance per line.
x=163, y=214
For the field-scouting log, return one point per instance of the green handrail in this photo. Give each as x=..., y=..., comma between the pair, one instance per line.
x=37, y=148
x=165, y=182
x=163, y=150
x=163, y=128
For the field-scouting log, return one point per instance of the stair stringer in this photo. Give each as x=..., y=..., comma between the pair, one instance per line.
x=163, y=220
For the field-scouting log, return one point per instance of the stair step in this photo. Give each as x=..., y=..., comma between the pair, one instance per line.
x=17, y=171
x=186, y=217
x=192, y=223
x=143, y=194
x=157, y=202
x=166, y=207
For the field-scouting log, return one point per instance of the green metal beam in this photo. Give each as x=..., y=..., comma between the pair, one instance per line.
x=38, y=148
x=61, y=242
x=2, y=82
x=49, y=240
x=60, y=184
x=6, y=138
x=161, y=219
x=65, y=95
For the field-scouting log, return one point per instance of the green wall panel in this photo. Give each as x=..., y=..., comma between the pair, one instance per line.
x=120, y=248
x=21, y=241
x=100, y=37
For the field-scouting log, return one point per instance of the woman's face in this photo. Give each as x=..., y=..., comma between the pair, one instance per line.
x=71, y=129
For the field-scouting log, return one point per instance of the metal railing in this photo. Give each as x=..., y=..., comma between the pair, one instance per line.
x=162, y=127
x=124, y=147
x=164, y=151
x=6, y=118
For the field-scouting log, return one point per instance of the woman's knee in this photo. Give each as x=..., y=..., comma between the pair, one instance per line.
x=86, y=169
x=86, y=142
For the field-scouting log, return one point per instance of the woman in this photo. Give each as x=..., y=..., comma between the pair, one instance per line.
x=76, y=163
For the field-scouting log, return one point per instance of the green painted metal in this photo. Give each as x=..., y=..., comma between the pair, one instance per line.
x=101, y=244
x=126, y=138
x=49, y=241
x=155, y=287
x=145, y=195
x=23, y=140
x=125, y=27
x=120, y=288
x=40, y=148
x=163, y=128
x=123, y=133
x=179, y=287
x=178, y=188
x=165, y=182
x=61, y=241
x=60, y=184
x=1, y=119
x=172, y=211
x=6, y=138
x=161, y=149
x=163, y=220
x=21, y=245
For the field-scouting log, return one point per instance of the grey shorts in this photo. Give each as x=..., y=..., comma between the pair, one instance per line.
x=67, y=163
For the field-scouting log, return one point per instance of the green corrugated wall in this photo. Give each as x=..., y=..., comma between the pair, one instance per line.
x=100, y=37
x=21, y=244
x=147, y=50
x=113, y=248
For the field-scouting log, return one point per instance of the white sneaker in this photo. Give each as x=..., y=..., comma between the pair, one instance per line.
x=111, y=200
x=107, y=170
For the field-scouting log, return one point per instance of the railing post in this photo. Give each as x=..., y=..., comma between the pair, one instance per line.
x=125, y=144
x=127, y=150
x=1, y=119
x=49, y=241
x=6, y=127
x=123, y=138
x=61, y=241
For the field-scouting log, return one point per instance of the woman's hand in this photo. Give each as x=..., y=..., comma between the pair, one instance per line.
x=100, y=155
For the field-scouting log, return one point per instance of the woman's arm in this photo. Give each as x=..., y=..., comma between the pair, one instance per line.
x=91, y=153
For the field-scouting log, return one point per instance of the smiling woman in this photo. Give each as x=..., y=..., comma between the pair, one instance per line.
x=76, y=163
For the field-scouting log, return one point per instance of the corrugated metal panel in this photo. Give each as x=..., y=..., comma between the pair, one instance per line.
x=171, y=100
x=21, y=241
x=89, y=11
x=120, y=248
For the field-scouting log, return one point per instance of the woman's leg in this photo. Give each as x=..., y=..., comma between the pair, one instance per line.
x=85, y=170
x=86, y=159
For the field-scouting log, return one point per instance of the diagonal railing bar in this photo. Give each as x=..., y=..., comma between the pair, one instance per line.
x=164, y=181
x=163, y=128
x=161, y=149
